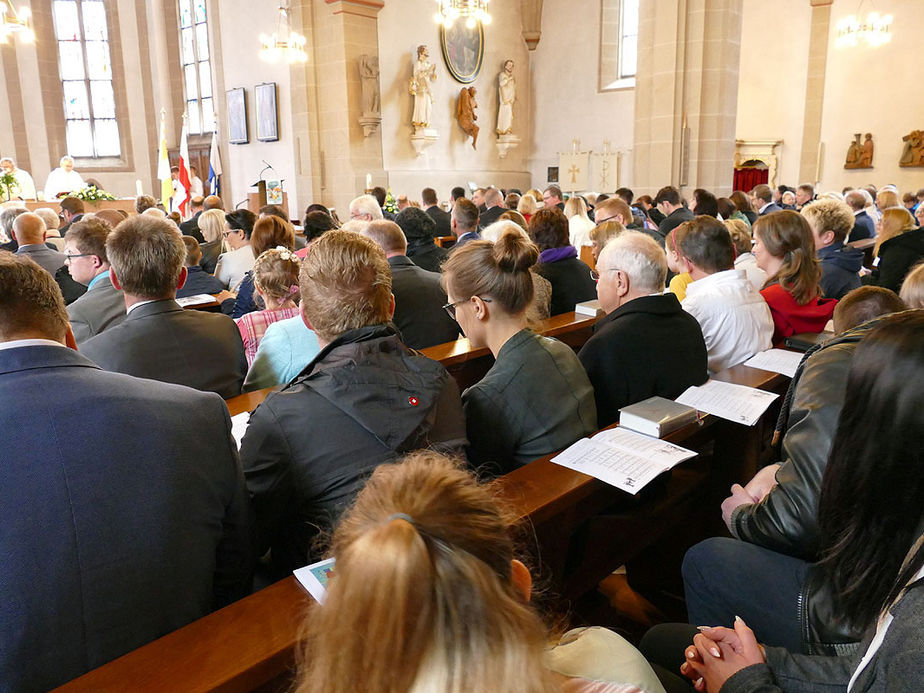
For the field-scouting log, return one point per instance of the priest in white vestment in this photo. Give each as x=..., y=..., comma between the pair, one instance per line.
x=63, y=179
x=24, y=189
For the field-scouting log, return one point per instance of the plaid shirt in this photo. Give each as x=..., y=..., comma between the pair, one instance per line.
x=253, y=326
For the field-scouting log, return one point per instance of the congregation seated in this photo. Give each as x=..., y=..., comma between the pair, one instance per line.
x=542, y=287
x=646, y=345
x=286, y=348
x=743, y=205
x=571, y=279
x=912, y=292
x=457, y=616
x=430, y=204
x=734, y=318
x=831, y=222
x=190, y=227
x=681, y=279
x=275, y=277
x=102, y=306
x=764, y=200
x=419, y=298
x=29, y=232
x=494, y=207
x=579, y=224
x=603, y=233
x=315, y=224
x=670, y=204
x=211, y=223
x=420, y=229
x=235, y=263
x=124, y=513
x=363, y=400
x=536, y=398
x=744, y=255
x=268, y=232
x=864, y=226
x=899, y=247
x=198, y=281
x=785, y=250
x=464, y=222
x=871, y=548
x=158, y=339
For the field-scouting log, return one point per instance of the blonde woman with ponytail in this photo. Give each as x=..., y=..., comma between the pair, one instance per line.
x=428, y=597
x=536, y=398
x=785, y=249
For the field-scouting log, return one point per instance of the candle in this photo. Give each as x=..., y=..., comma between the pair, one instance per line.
x=368, y=181
x=138, y=189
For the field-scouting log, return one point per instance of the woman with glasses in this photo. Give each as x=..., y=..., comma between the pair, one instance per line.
x=536, y=398
x=233, y=265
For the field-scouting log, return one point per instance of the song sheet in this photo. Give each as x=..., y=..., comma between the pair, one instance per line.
x=744, y=405
x=776, y=361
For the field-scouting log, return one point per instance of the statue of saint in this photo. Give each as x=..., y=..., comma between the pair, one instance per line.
x=424, y=74
x=866, y=152
x=853, y=153
x=506, y=95
x=369, y=74
x=465, y=113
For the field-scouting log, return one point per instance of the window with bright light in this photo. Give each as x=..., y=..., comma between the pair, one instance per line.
x=618, y=43
x=628, y=38
x=85, y=68
x=197, y=68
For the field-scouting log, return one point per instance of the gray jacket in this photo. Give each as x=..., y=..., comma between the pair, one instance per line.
x=101, y=307
x=45, y=257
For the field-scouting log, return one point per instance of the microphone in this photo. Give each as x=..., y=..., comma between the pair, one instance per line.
x=269, y=167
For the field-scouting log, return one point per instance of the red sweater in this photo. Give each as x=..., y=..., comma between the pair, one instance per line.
x=790, y=318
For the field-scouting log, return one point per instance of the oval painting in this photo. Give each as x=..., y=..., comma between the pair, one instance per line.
x=463, y=50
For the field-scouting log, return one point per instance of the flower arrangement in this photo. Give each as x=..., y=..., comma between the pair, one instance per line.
x=390, y=204
x=8, y=182
x=92, y=194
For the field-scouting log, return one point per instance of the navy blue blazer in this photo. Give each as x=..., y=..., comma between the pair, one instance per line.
x=123, y=512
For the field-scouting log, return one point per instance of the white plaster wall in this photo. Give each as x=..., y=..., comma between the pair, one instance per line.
x=242, y=22
x=567, y=102
x=772, y=78
x=451, y=161
x=874, y=90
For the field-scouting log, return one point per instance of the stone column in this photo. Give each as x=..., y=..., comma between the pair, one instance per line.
x=686, y=95
x=815, y=91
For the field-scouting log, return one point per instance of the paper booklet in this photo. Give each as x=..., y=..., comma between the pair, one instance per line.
x=777, y=361
x=197, y=300
x=315, y=577
x=622, y=458
x=744, y=405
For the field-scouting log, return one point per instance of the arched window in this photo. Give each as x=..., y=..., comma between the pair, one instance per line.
x=197, y=68
x=85, y=68
x=618, y=43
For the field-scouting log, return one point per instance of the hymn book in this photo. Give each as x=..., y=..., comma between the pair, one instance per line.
x=591, y=308
x=622, y=458
x=656, y=416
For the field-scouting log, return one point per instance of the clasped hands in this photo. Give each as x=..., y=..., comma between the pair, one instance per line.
x=754, y=492
x=718, y=653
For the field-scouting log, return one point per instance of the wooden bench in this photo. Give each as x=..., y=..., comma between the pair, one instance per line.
x=251, y=644
x=866, y=245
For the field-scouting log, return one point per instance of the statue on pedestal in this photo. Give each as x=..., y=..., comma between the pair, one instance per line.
x=506, y=95
x=424, y=74
x=372, y=104
x=465, y=113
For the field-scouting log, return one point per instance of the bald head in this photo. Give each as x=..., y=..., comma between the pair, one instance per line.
x=388, y=235
x=211, y=202
x=29, y=229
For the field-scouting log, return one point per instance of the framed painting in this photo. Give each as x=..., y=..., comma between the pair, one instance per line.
x=237, y=116
x=267, y=122
x=463, y=50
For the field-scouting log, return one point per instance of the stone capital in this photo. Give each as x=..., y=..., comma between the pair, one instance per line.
x=361, y=8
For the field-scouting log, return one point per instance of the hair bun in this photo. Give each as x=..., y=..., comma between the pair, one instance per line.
x=515, y=253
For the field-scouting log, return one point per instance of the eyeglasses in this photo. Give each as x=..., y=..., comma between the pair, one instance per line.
x=595, y=274
x=225, y=234
x=602, y=221
x=451, y=307
x=71, y=257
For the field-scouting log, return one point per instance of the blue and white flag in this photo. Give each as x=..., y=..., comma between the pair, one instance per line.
x=214, y=166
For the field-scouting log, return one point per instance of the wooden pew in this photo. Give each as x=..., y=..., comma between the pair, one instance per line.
x=866, y=245
x=251, y=644
x=445, y=241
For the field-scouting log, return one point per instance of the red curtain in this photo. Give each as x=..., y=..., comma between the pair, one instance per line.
x=747, y=178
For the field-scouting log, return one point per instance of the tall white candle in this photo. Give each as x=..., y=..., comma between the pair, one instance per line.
x=138, y=189
x=368, y=181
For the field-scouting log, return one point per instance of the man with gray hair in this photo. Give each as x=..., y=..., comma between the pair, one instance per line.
x=646, y=345
x=22, y=189
x=365, y=208
x=158, y=339
x=863, y=224
x=494, y=204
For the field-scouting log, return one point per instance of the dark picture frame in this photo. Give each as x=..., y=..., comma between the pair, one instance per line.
x=463, y=51
x=267, y=120
x=552, y=175
x=237, y=116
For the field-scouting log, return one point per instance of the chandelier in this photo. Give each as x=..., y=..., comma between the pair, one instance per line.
x=472, y=11
x=14, y=22
x=284, y=44
x=875, y=30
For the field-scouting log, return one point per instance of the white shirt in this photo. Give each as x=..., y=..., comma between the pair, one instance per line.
x=195, y=187
x=233, y=265
x=579, y=231
x=734, y=317
x=29, y=342
x=60, y=181
x=748, y=263
x=24, y=188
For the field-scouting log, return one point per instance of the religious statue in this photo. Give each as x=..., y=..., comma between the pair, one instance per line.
x=424, y=74
x=465, y=113
x=860, y=155
x=369, y=74
x=506, y=95
x=913, y=151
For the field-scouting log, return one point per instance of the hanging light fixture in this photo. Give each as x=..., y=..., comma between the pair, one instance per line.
x=284, y=44
x=875, y=31
x=472, y=11
x=15, y=23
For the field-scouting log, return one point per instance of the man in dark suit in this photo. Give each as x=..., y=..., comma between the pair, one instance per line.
x=198, y=281
x=431, y=207
x=29, y=231
x=551, y=197
x=419, y=230
x=190, y=227
x=494, y=202
x=457, y=193
x=646, y=345
x=763, y=200
x=464, y=222
x=419, y=298
x=124, y=514
x=863, y=224
x=671, y=206
x=102, y=306
x=158, y=339
x=71, y=212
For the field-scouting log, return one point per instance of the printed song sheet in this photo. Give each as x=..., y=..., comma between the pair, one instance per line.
x=622, y=458
x=737, y=403
x=776, y=361
x=197, y=300
x=314, y=577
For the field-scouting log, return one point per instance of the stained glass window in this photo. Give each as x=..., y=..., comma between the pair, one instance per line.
x=197, y=73
x=85, y=68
